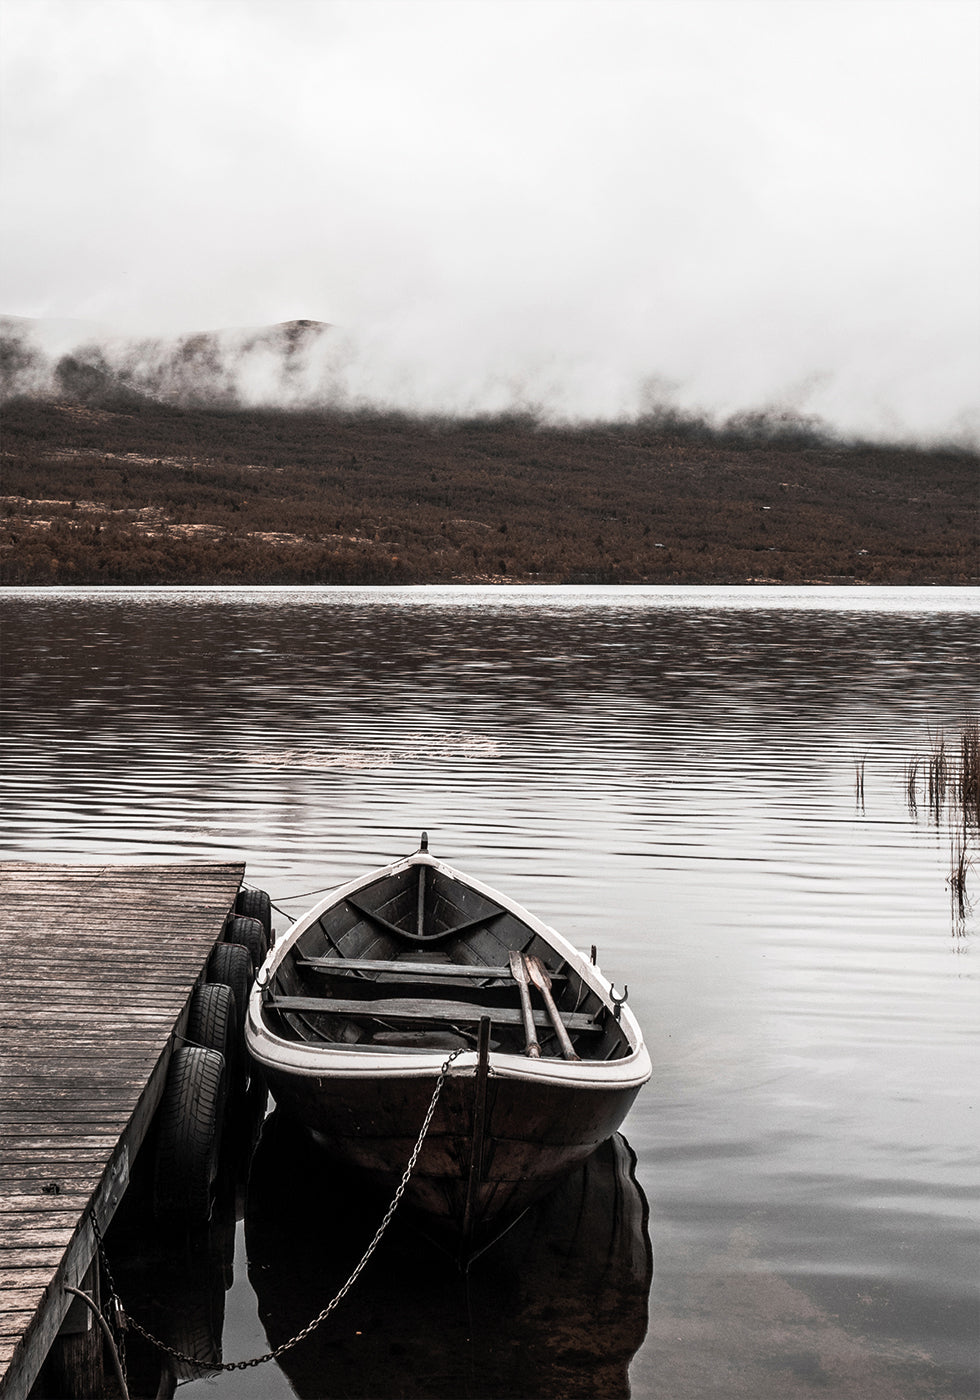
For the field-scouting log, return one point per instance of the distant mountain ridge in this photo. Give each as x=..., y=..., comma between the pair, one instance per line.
x=287, y=364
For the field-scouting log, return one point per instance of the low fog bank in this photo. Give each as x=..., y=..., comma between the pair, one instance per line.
x=305, y=365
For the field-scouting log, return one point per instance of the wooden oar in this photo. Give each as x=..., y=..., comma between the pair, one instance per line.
x=542, y=981
x=519, y=973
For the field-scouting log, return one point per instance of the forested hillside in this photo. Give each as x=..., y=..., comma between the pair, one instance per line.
x=139, y=492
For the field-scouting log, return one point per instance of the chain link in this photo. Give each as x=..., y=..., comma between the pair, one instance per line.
x=117, y=1313
x=337, y=1299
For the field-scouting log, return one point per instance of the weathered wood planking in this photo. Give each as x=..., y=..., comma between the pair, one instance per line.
x=97, y=964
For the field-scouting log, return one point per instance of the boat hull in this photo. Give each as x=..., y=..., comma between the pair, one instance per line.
x=531, y=1134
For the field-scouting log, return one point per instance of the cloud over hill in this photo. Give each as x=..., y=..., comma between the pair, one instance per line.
x=308, y=365
x=286, y=365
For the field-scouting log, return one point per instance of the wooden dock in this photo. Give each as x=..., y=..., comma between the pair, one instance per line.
x=97, y=965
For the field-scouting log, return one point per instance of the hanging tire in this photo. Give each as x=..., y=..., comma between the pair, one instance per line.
x=231, y=964
x=212, y=1021
x=256, y=904
x=250, y=933
x=189, y=1123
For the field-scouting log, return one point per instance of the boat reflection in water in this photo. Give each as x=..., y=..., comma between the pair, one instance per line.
x=556, y=1307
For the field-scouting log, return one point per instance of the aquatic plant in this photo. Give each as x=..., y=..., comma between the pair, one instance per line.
x=859, y=765
x=912, y=784
x=960, y=863
x=937, y=776
x=948, y=781
x=949, y=776
x=968, y=792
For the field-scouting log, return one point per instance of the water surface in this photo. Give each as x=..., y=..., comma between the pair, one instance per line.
x=668, y=774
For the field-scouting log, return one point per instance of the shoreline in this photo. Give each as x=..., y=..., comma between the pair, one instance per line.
x=170, y=497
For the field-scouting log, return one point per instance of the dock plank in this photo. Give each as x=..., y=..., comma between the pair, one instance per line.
x=97, y=964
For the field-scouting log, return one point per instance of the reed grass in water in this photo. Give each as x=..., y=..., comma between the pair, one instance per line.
x=959, y=865
x=937, y=776
x=969, y=773
x=947, y=780
x=859, y=766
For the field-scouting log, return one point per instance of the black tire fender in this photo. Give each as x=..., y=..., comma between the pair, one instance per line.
x=250, y=933
x=231, y=964
x=212, y=1021
x=189, y=1121
x=256, y=904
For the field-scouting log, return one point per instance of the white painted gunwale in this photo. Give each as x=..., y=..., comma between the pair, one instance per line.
x=296, y=1058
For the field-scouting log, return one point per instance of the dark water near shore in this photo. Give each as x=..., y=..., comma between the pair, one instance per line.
x=670, y=775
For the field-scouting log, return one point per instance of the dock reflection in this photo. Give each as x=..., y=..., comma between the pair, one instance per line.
x=174, y=1278
x=556, y=1308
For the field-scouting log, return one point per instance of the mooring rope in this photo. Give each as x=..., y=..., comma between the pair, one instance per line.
x=308, y=894
x=117, y=1359
x=334, y=1302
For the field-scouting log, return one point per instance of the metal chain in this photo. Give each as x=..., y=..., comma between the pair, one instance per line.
x=339, y=1297
x=117, y=1314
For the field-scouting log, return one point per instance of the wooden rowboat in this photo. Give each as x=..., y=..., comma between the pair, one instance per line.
x=359, y=1006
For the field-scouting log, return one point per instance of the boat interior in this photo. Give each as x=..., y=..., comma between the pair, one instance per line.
x=417, y=959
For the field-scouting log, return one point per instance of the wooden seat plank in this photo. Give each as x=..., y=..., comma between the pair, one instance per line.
x=408, y=1009
x=405, y=967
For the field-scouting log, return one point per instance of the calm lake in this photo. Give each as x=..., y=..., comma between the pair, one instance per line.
x=671, y=775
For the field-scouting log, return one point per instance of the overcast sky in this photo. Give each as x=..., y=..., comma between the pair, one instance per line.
x=739, y=204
